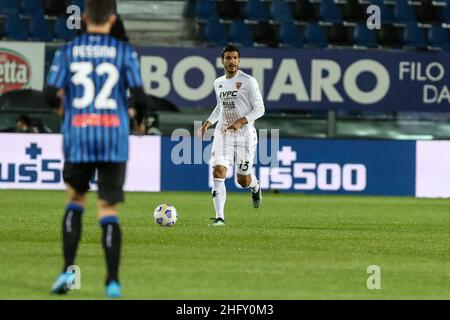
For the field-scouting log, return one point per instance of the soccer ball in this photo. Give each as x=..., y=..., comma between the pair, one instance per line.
x=165, y=215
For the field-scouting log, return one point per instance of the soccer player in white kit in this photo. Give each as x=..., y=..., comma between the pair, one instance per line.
x=239, y=104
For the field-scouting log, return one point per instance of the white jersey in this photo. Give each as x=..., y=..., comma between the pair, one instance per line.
x=237, y=97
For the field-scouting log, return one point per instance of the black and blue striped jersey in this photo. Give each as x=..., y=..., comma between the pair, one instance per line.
x=95, y=71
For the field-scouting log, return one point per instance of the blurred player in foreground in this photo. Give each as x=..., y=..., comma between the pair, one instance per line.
x=95, y=71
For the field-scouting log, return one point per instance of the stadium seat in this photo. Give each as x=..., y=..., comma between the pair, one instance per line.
x=438, y=37
x=79, y=3
x=61, y=31
x=315, y=36
x=427, y=12
x=304, y=11
x=264, y=34
x=54, y=7
x=289, y=35
x=280, y=11
x=389, y=36
x=229, y=10
x=205, y=10
x=442, y=2
x=445, y=14
x=255, y=11
x=241, y=34
x=403, y=13
x=338, y=35
x=330, y=12
x=353, y=11
x=31, y=7
x=386, y=13
x=364, y=37
x=15, y=29
x=413, y=36
x=215, y=33
x=39, y=28
x=9, y=8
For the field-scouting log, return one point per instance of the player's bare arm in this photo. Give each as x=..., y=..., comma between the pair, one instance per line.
x=238, y=124
x=201, y=131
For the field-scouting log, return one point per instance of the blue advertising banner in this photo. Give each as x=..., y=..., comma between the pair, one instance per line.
x=305, y=78
x=304, y=166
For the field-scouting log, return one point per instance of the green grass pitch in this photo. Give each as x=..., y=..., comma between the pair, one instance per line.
x=293, y=247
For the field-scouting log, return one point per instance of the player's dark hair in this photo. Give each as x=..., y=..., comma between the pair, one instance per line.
x=230, y=48
x=99, y=11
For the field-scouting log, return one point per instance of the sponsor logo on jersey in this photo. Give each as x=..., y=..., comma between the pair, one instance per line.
x=96, y=120
x=229, y=104
x=228, y=94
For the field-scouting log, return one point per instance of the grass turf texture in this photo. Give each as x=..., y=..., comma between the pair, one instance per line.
x=294, y=247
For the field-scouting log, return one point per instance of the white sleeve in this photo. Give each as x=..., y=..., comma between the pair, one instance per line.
x=256, y=101
x=214, y=117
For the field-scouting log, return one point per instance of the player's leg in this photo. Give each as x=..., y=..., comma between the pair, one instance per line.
x=72, y=223
x=111, y=242
x=221, y=155
x=219, y=193
x=108, y=216
x=250, y=181
x=77, y=177
x=245, y=153
x=111, y=178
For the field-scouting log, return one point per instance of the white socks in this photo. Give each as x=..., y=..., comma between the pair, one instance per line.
x=219, y=193
x=254, y=185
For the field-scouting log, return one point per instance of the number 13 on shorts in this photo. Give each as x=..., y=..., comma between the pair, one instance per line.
x=244, y=166
x=244, y=159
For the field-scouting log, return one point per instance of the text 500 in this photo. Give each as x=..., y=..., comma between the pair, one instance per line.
x=311, y=176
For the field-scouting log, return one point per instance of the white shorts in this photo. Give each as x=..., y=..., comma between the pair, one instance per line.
x=230, y=147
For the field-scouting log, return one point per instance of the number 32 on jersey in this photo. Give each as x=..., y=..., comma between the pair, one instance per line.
x=82, y=77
